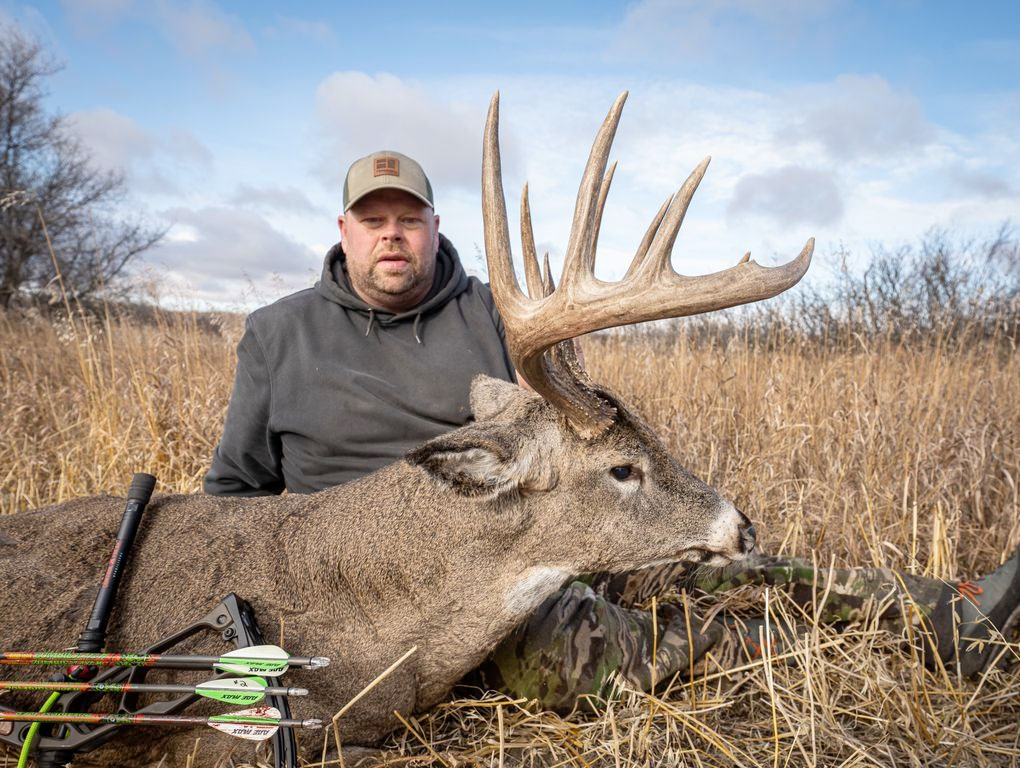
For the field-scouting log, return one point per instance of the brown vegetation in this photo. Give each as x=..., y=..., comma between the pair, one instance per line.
x=856, y=449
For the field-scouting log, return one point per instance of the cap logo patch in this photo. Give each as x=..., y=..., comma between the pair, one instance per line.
x=387, y=166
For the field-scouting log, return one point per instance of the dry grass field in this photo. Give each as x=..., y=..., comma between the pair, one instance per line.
x=860, y=450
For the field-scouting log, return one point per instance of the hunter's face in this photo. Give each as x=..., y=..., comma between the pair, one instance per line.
x=391, y=239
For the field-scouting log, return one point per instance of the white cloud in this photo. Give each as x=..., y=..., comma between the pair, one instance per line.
x=226, y=242
x=96, y=6
x=858, y=117
x=150, y=163
x=87, y=17
x=200, y=27
x=765, y=191
x=115, y=141
x=91, y=8
x=983, y=183
x=790, y=195
x=302, y=29
x=275, y=198
x=359, y=113
x=230, y=257
x=185, y=146
x=182, y=233
x=692, y=32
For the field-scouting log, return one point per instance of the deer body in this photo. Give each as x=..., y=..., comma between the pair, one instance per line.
x=449, y=551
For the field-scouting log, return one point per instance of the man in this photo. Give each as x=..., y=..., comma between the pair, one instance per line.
x=336, y=381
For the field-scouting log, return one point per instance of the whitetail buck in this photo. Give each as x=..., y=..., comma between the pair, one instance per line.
x=449, y=549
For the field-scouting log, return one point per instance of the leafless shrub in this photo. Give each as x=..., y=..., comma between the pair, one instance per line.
x=57, y=209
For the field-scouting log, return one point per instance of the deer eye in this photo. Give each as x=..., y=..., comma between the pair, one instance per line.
x=622, y=472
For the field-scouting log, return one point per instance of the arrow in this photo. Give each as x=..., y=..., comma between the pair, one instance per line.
x=232, y=690
x=265, y=660
x=255, y=724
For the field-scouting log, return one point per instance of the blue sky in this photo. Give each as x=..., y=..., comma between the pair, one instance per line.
x=855, y=123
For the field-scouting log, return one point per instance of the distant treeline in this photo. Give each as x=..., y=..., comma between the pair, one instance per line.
x=936, y=292
x=939, y=291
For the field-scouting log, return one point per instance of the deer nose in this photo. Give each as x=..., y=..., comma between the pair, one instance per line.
x=748, y=535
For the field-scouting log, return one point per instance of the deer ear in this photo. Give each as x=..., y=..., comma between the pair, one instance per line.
x=490, y=397
x=477, y=460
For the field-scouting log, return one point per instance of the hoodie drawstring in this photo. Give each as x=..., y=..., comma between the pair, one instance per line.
x=417, y=324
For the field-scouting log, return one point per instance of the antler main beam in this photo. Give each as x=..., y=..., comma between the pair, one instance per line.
x=651, y=289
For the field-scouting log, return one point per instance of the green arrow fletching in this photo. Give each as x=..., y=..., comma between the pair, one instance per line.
x=240, y=690
x=266, y=660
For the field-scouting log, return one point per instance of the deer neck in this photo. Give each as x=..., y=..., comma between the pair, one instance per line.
x=449, y=575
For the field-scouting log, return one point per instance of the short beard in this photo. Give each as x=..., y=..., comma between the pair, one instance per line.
x=394, y=295
x=411, y=282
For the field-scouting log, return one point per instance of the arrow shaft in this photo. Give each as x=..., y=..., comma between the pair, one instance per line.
x=60, y=658
x=101, y=687
x=104, y=718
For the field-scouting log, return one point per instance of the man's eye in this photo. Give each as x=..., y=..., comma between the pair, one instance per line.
x=622, y=472
x=412, y=222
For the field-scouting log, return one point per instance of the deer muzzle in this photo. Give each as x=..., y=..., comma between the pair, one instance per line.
x=731, y=537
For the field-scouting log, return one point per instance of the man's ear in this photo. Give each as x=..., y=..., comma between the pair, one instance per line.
x=490, y=397
x=477, y=460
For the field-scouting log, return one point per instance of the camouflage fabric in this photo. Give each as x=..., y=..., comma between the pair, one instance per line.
x=850, y=593
x=581, y=637
x=577, y=641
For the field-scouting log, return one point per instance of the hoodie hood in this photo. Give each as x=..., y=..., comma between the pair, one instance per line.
x=450, y=280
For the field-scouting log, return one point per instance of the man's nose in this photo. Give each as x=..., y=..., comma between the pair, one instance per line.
x=392, y=230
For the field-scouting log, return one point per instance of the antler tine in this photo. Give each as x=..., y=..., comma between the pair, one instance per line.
x=538, y=329
x=531, y=273
x=591, y=250
x=585, y=209
x=662, y=244
x=646, y=241
x=495, y=227
x=548, y=286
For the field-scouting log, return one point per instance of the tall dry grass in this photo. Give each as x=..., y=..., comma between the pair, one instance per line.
x=862, y=450
x=88, y=399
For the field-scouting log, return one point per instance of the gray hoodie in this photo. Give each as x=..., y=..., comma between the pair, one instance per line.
x=329, y=389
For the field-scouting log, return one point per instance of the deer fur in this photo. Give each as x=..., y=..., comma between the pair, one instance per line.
x=448, y=550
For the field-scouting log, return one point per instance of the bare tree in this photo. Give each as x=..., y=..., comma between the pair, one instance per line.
x=49, y=186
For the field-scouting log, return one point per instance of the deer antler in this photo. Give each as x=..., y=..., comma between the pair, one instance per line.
x=582, y=303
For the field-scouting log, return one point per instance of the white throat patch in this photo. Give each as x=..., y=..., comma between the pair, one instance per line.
x=532, y=587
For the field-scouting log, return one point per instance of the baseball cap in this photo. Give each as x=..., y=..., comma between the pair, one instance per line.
x=386, y=170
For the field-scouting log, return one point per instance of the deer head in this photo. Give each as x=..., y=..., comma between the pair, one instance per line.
x=624, y=463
